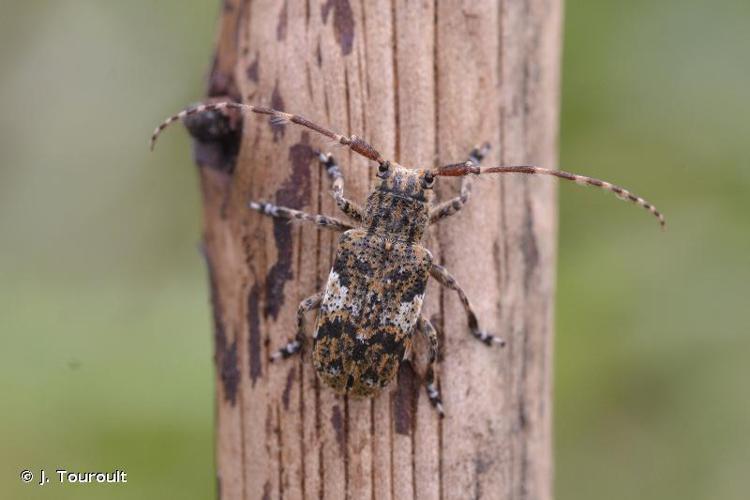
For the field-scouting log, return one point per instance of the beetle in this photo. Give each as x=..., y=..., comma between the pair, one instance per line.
x=371, y=305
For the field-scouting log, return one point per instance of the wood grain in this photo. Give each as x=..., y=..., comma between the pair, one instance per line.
x=423, y=81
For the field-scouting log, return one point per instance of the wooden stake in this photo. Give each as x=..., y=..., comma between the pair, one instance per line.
x=423, y=82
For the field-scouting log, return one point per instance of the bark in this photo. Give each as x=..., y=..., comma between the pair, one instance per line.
x=423, y=82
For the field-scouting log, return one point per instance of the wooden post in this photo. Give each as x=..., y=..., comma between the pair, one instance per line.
x=423, y=81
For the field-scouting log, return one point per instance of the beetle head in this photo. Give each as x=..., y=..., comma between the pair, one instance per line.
x=405, y=183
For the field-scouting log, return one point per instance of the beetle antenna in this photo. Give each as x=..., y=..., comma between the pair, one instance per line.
x=353, y=142
x=466, y=168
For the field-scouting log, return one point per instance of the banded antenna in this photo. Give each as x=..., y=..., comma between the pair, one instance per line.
x=277, y=117
x=467, y=168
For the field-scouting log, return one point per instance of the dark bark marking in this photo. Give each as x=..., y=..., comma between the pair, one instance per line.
x=529, y=247
x=282, y=23
x=252, y=70
x=220, y=337
x=230, y=372
x=523, y=416
x=405, y=399
x=225, y=356
x=294, y=193
x=482, y=464
x=220, y=83
x=277, y=102
x=319, y=55
x=498, y=265
x=266, y=491
x=269, y=428
x=288, y=388
x=524, y=480
x=254, y=337
x=343, y=23
x=216, y=138
x=308, y=81
x=337, y=421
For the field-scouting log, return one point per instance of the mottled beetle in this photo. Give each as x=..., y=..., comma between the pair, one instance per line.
x=372, y=302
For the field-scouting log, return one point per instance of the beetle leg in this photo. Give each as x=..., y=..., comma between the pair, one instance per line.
x=446, y=279
x=431, y=379
x=292, y=214
x=294, y=346
x=452, y=206
x=337, y=186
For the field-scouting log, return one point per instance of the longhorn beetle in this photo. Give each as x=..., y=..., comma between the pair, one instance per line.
x=372, y=303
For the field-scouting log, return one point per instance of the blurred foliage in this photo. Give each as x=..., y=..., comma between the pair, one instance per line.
x=652, y=341
x=105, y=358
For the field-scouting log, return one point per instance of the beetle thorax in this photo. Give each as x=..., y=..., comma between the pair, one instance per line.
x=399, y=207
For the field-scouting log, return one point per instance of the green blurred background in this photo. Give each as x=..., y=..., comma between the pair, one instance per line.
x=105, y=352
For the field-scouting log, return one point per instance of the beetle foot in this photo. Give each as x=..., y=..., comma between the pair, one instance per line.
x=487, y=338
x=287, y=351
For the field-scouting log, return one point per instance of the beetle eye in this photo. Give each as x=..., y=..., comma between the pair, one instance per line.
x=383, y=167
x=429, y=179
